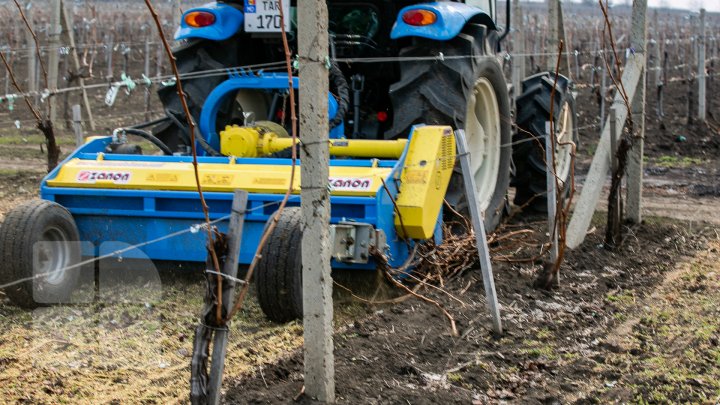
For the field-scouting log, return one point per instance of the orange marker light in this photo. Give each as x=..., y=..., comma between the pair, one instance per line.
x=199, y=19
x=418, y=17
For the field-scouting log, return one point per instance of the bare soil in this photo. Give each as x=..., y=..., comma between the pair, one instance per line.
x=674, y=134
x=558, y=346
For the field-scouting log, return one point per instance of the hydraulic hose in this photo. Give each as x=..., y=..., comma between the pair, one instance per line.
x=198, y=137
x=150, y=123
x=148, y=136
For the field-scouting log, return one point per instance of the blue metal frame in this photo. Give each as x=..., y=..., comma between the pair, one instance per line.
x=109, y=218
x=228, y=21
x=451, y=19
x=241, y=79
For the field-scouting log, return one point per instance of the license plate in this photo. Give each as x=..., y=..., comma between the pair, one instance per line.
x=264, y=15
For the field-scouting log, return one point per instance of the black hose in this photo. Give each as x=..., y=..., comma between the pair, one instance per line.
x=148, y=136
x=186, y=132
x=343, y=91
x=150, y=123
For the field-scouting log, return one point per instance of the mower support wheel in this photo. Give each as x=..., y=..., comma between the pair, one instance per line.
x=38, y=242
x=278, y=276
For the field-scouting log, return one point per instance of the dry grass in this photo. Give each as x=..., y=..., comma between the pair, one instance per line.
x=128, y=352
x=670, y=347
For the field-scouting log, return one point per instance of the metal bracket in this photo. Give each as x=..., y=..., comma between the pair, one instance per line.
x=351, y=241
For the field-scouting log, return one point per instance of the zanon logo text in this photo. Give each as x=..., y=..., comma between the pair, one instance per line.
x=350, y=184
x=92, y=176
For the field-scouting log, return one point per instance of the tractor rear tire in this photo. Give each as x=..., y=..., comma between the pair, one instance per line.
x=533, y=112
x=279, y=271
x=38, y=240
x=198, y=56
x=465, y=89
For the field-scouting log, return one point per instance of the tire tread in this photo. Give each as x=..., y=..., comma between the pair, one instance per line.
x=279, y=272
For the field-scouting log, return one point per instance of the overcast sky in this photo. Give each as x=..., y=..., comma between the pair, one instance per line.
x=693, y=5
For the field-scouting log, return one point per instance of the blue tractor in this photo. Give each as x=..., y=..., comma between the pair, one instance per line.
x=397, y=64
x=395, y=67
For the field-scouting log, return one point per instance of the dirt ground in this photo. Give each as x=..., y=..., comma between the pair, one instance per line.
x=634, y=325
x=637, y=324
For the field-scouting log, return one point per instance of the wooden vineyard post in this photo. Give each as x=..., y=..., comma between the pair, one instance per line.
x=479, y=227
x=109, y=47
x=77, y=125
x=54, y=33
x=67, y=29
x=315, y=201
x=603, y=90
x=576, y=58
x=561, y=32
x=613, y=235
x=659, y=80
x=159, y=61
x=593, y=71
x=230, y=269
x=555, y=35
x=32, y=85
x=7, y=72
x=518, y=63
x=147, y=72
x=701, y=68
x=553, y=39
x=174, y=16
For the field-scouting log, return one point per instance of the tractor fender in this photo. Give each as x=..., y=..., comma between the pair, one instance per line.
x=245, y=80
x=228, y=21
x=451, y=19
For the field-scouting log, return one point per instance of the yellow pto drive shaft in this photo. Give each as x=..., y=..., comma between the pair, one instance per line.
x=263, y=141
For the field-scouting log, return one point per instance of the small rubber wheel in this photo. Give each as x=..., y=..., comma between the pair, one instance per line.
x=533, y=111
x=38, y=242
x=278, y=278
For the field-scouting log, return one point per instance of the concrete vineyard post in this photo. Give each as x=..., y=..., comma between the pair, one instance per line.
x=635, y=155
x=315, y=201
x=633, y=81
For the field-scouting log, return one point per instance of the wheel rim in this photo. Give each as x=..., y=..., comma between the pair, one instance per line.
x=52, y=255
x=483, y=137
x=563, y=151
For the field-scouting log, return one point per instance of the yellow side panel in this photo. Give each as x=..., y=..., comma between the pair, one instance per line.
x=424, y=180
x=271, y=179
